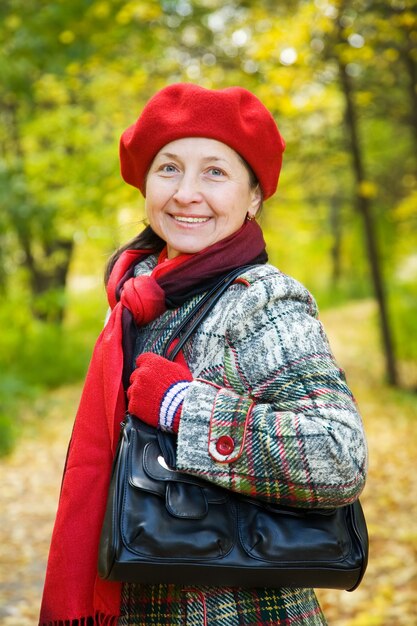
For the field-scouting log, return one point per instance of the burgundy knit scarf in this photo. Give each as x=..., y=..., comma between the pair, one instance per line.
x=74, y=595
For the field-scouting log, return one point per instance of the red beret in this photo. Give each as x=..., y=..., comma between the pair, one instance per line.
x=233, y=116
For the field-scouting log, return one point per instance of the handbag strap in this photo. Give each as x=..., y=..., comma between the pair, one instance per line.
x=205, y=305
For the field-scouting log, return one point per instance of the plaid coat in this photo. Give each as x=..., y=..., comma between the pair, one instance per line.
x=264, y=379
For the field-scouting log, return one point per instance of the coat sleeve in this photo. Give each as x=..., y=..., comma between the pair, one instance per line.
x=282, y=425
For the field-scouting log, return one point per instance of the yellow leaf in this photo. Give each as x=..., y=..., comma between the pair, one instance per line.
x=391, y=54
x=367, y=189
x=67, y=37
x=13, y=22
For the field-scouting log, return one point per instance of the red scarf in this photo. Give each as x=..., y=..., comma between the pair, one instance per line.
x=73, y=591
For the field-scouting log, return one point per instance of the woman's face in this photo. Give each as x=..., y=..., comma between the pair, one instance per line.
x=197, y=193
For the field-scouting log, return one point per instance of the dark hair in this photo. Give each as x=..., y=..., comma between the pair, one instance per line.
x=253, y=181
x=147, y=239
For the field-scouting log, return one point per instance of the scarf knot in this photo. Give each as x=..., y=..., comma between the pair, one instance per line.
x=144, y=298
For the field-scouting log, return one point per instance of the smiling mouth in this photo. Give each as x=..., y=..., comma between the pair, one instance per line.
x=190, y=220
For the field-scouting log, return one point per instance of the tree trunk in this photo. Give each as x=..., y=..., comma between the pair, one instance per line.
x=48, y=277
x=47, y=262
x=363, y=205
x=336, y=230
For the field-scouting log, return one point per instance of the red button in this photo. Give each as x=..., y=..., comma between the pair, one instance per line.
x=225, y=445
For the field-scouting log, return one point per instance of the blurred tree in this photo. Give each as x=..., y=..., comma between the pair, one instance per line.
x=68, y=87
x=336, y=49
x=363, y=194
x=351, y=30
x=31, y=49
x=75, y=74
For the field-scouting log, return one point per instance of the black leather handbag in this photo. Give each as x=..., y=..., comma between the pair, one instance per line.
x=165, y=526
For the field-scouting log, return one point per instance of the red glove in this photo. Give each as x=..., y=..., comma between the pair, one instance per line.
x=157, y=390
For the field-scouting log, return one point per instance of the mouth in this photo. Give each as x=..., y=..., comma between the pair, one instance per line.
x=190, y=220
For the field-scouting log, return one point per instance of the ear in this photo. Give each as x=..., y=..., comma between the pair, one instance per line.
x=256, y=201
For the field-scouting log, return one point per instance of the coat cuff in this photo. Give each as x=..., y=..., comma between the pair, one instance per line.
x=228, y=425
x=213, y=428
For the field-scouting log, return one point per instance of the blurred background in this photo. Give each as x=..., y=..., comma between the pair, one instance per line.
x=340, y=77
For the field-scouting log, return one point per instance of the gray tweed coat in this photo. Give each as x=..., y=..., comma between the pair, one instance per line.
x=269, y=415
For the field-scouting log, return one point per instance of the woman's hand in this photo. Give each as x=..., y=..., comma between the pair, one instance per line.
x=157, y=390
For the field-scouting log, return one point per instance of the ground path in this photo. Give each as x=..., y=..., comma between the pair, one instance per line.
x=30, y=481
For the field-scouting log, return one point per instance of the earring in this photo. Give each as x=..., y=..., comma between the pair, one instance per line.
x=250, y=218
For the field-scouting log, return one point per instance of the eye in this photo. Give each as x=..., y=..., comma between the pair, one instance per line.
x=168, y=168
x=215, y=172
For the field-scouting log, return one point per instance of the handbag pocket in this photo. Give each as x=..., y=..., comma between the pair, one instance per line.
x=161, y=508
x=271, y=533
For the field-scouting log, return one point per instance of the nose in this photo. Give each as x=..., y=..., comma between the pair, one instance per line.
x=188, y=190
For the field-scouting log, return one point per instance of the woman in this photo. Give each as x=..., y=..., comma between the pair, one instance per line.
x=256, y=399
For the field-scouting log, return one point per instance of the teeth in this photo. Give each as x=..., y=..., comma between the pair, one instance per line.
x=191, y=220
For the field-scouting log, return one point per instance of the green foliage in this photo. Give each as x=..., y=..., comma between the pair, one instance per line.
x=10, y=392
x=41, y=354
x=404, y=306
x=76, y=74
x=38, y=356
